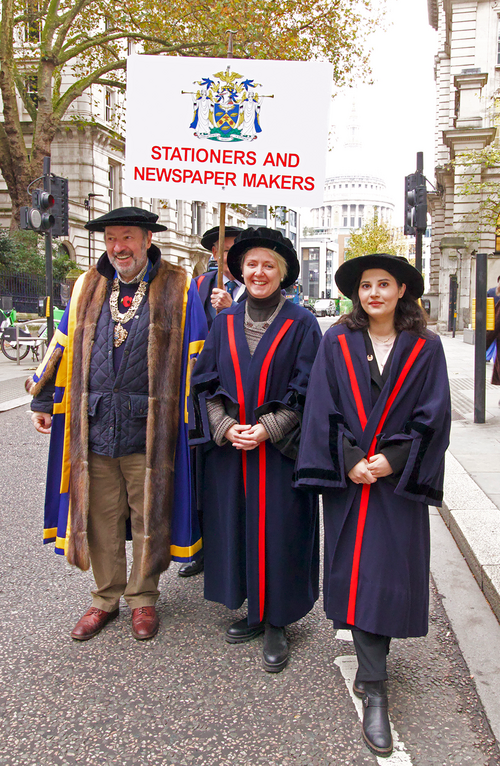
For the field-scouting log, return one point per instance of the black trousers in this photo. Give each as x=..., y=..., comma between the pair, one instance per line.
x=371, y=651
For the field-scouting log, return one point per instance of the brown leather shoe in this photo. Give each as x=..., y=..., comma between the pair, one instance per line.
x=92, y=623
x=145, y=622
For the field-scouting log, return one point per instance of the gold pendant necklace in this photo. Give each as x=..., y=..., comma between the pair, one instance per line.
x=382, y=340
x=120, y=333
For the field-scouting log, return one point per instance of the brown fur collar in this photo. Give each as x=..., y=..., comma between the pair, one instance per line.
x=166, y=295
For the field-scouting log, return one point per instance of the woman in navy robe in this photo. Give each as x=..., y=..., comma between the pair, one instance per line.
x=376, y=427
x=249, y=385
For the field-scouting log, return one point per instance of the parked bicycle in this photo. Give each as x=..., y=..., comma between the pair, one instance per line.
x=26, y=341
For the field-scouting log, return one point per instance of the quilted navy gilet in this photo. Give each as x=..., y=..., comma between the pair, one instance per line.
x=118, y=403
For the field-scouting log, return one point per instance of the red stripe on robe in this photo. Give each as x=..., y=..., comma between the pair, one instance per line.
x=239, y=386
x=262, y=468
x=365, y=492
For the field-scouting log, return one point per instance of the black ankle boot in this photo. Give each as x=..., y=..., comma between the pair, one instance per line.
x=240, y=632
x=376, y=726
x=275, y=651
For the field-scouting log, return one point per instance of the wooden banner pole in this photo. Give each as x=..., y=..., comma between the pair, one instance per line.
x=222, y=236
x=222, y=205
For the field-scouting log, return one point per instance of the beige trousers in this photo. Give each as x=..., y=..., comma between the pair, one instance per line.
x=117, y=493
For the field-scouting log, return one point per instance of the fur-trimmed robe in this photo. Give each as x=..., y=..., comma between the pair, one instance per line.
x=176, y=331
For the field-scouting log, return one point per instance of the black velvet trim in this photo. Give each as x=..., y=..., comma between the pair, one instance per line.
x=412, y=484
x=315, y=473
x=296, y=400
x=333, y=445
x=211, y=386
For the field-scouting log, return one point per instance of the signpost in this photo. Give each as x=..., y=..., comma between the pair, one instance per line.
x=227, y=130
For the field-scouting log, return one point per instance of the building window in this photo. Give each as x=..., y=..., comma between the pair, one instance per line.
x=280, y=215
x=32, y=88
x=258, y=211
x=292, y=217
x=310, y=253
x=180, y=216
x=108, y=100
x=293, y=238
x=197, y=223
x=112, y=186
x=130, y=47
x=314, y=284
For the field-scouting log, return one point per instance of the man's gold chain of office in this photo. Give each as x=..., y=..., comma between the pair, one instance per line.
x=120, y=333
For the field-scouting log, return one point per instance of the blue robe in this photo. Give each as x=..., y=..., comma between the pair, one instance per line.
x=206, y=283
x=260, y=535
x=376, y=536
x=185, y=533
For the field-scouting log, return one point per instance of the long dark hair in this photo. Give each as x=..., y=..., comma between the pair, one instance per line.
x=409, y=315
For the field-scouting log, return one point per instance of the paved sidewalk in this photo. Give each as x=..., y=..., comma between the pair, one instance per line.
x=12, y=377
x=471, y=506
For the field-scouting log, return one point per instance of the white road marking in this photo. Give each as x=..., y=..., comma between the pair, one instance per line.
x=348, y=666
x=344, y=635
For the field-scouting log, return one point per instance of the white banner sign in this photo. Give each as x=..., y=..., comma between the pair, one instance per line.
x=227, y=130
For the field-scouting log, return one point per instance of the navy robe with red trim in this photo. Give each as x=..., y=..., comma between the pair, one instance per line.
x=260, y=535
x=376, y=535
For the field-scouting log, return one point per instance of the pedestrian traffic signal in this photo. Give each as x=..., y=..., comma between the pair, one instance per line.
x=39, y=216
x=415, y=204
x=59, y=188
x=49, y=210
x=410, y=201
x=421, y=208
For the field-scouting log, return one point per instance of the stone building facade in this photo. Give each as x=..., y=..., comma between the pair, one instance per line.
x=467, y=73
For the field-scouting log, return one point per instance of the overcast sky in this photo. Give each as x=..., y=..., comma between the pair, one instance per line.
x=396, y=113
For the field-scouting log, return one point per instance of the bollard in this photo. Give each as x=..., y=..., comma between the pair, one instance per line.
x=17, y=345
x=480, y=340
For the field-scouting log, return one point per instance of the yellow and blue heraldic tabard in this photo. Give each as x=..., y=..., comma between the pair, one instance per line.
x=185, y=530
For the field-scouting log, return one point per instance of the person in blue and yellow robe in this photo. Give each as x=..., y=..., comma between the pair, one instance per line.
x=113, y=392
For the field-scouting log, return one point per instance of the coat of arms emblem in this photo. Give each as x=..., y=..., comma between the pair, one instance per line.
x=226, y=107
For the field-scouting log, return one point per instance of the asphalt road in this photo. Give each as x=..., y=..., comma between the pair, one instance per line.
x=187, y=697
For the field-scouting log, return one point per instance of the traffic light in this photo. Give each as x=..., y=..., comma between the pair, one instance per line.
x=415, y=204
x=39, y=216
x=59, y=188
x=421, y=208
x=49, y=210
